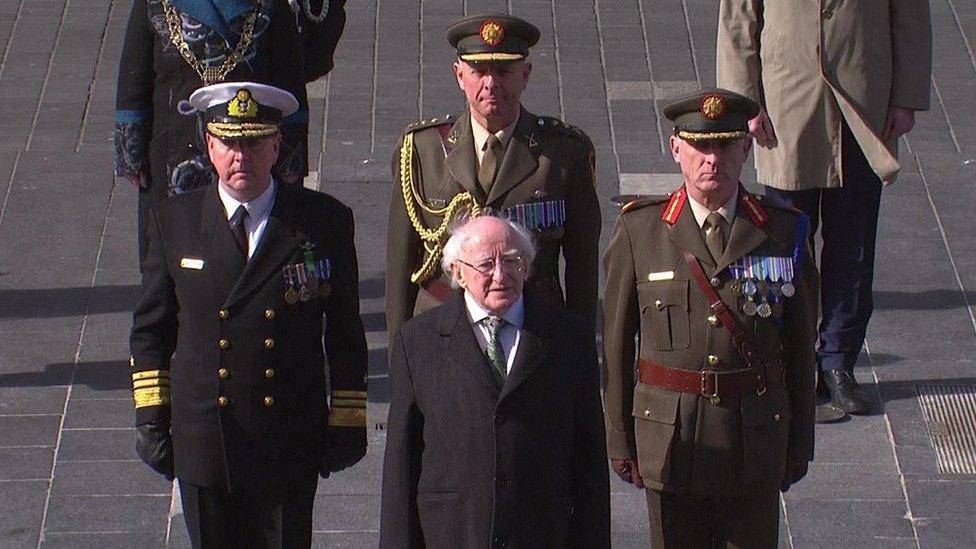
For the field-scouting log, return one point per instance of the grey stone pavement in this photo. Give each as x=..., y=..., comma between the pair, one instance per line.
x=68, y=274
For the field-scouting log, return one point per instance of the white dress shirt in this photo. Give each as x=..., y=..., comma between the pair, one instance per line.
x=258, y=211
x=727, y=210
x=511, y=332
x=481, y=134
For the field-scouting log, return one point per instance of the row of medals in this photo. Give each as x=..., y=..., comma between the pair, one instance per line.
x=752, y=291
x=308, y=289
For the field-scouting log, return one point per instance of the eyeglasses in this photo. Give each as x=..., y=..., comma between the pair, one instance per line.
x=510, y=264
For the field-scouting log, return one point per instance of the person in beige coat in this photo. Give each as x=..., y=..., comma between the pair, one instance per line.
x=838, y=81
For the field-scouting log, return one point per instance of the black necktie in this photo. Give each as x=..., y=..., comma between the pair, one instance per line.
x=237, y=227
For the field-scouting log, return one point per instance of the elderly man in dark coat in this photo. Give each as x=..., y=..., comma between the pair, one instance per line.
x=495, y=428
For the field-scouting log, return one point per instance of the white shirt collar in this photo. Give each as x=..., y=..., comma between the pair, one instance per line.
x=515, y=315
x=256, y=209
x=481, y=134
x=701, y=212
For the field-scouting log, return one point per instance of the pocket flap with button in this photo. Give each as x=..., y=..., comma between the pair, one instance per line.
x=767, y=408
x=655, y=404
x=659, y=295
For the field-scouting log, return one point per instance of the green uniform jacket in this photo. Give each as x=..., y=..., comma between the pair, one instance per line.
x=684, y=442
x=546, y=160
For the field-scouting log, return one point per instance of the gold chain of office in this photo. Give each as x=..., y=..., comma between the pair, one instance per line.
x=209, y=75
x=433, y=239
x=311, y=15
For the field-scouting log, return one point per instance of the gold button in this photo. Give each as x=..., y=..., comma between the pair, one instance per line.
x=713, y=320
x=647, y=413
x=223, y=373
x=224, y=344
x=223, y=401
x=658, y=304
x=269, y=373
x=268, y=343
x=269, y=314
x=827, y=14
x=223, y=314
x=269, y=401
x=715, y=281
x=712, y=360
x=775, y=417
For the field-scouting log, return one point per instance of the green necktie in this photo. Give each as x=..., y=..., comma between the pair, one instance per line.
x=715, y=235
x=489, y=162
x=496, y=354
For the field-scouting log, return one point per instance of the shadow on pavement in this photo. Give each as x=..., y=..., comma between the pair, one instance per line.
x=107, y=375
x=922, y=301
x=62, y=302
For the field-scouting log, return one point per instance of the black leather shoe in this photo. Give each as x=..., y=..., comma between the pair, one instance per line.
x=845, y=393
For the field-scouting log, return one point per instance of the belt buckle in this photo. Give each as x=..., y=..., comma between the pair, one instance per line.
x=713, y=398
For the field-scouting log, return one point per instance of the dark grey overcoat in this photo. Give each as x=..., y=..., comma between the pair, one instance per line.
x=472, y=464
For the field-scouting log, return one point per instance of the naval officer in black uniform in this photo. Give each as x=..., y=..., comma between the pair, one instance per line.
x=228, y=353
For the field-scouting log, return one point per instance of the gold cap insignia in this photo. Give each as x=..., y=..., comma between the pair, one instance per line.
x=713, y=107
x=242, y=105
x=492, y=33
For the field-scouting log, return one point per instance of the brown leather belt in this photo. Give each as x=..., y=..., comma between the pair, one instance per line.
x=710, y=383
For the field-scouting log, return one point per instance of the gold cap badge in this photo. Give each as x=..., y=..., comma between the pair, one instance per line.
x=242, y=105
x=713, y=107
x=492, y=33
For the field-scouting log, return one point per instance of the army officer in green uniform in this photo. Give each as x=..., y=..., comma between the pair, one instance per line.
x=719, y=289
x=497, y=155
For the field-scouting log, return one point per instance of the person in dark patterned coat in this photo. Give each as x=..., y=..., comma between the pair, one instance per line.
x=159, y=139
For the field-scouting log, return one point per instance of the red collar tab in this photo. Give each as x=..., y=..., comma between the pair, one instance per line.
x=752, y=208
x=672, y=209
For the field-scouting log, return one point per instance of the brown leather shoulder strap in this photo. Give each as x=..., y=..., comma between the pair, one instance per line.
x=722, y=311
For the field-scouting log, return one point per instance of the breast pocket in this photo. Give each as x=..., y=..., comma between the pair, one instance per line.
x=664, y=310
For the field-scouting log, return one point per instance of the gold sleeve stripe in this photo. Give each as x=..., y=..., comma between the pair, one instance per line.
x=151, y=391
x=148, y=402
x=346, y=417
x=349, y=394
x=343, y=403
x=161, y=382
x=149, y=374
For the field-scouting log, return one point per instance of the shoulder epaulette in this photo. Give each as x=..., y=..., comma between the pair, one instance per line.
x=555, y=124
x=629, y=203
x=430, y=123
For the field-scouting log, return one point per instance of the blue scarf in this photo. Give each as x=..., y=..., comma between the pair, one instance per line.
x=214, y=14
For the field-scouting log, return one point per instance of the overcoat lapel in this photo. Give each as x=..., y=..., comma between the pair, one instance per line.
x=279, y=241
x=462, y=347
x=686, y=235
x=222, y=256
x=520, y=159
x=744, y=238
x=530, y=356
x=462, y=162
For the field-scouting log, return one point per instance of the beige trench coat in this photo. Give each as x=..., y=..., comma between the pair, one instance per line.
x=815, y=63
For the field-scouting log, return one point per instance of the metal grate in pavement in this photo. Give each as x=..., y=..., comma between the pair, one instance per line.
x=950, y=416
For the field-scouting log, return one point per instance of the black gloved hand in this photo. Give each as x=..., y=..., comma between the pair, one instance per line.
x=794, y=472
x=344, y=447
x=155, y=447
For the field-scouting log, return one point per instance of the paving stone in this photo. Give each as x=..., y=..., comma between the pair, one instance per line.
x=21, y=508
x=26, y=463
x=830, y=520
x=142, y=514
x=90, y=478
x=32, y=400
x=337, y=513
x=826, y=481
x=115, y=445
x=947, y=497
x=350, y=540
x=103, y=540
x=29, y=430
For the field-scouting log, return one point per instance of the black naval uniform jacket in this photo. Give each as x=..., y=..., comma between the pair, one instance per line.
x=247, y=372
x=546, y=160
x=473, y=464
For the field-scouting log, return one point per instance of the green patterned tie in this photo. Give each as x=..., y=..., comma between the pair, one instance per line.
x=496, y=355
